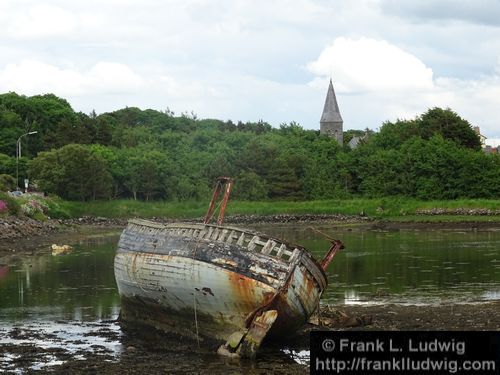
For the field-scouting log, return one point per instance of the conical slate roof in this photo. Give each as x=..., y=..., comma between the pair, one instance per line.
x=331, y=111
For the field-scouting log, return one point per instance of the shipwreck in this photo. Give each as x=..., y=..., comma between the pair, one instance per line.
x=211, y=281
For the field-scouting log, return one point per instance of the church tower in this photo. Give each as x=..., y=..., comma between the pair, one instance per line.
x=331, y=122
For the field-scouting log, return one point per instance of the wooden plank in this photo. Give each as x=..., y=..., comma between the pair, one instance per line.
x=268, y=247
x=215, y=234
x=295, y=255
x=281, y=250
x=231, y=237
x=222, y=235
x=251, y=245
x=259, y=241
x=241, y=240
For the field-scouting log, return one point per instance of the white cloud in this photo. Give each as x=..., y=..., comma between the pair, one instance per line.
x=40, y=21
x=111, y=77
x=367, y=64
x=475, y=100
x=34, y=77
x=477, y=11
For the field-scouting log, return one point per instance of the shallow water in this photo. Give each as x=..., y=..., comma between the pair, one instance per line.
x=406, y=266
x=70, y=302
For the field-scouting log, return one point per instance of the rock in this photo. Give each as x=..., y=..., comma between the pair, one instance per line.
x=61, y=250
x=22, y=227
x=333, y=318
x=458, y=211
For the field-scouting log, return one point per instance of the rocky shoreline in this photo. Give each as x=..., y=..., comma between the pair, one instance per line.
x=13, y=228
x=457, y=211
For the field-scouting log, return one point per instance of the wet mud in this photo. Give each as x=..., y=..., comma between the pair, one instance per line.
x=108, y=347
x=125, y=351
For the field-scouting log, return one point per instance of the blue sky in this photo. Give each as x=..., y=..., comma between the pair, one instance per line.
x=252, y=60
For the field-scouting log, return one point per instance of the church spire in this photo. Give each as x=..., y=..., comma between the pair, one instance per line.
x=331, y=121
x=331, y=111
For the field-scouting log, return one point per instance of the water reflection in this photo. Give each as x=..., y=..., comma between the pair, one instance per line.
x=491, y=295
x=406, y=266
x=391, y=267
x=78, y=286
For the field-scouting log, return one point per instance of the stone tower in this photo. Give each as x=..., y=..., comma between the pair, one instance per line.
x=331, y=122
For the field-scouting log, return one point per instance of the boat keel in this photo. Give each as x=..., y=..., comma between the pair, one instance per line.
x=245, y=344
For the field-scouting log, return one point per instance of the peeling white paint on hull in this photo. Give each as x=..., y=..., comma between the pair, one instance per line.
x=168, y=274
x=178, y=285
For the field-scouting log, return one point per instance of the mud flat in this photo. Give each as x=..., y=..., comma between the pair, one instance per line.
x=482, y=316
x=105, y=348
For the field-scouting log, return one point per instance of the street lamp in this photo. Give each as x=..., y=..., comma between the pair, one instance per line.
x=18, y=155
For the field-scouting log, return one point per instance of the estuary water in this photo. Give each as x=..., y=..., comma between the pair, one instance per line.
x=406, y=266
x=70, y=302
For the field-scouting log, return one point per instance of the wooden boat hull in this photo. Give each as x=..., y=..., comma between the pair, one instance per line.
x=210, y=281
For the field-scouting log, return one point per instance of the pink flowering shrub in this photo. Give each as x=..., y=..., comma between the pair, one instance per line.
x=9, y=205
x=3, y=206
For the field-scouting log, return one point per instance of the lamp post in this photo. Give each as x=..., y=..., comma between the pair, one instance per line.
x=18, y=155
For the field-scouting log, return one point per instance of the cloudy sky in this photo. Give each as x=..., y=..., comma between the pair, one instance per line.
x=259, y=59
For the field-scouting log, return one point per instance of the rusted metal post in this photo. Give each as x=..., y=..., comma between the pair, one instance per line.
x=336, y=246
x=211, y=207
x=221, y=182
x=225, y=199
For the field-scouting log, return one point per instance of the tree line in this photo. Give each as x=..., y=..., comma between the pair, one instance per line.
x=149, y=154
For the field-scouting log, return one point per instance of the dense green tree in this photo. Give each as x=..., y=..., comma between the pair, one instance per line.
x=72, y=172
x=7, y=182
x=149, y=154
x=432, y=168
x=393, y=135
x=381, y=174
x=449, y=125
x=115, y=162
x=249, y=186
x=11, y=126
x=7, y=165
x=435, y=121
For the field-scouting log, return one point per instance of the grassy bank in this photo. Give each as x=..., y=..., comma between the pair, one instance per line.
x=386, y=208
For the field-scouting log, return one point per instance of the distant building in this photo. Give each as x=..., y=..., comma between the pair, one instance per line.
x=491, y=150
x=482, y=138
x=354, y=142
x=331, y=123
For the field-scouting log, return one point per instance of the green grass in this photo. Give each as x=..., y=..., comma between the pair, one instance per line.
x=384, y=208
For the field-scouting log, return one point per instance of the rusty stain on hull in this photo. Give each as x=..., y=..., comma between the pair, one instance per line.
x=226, y=278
